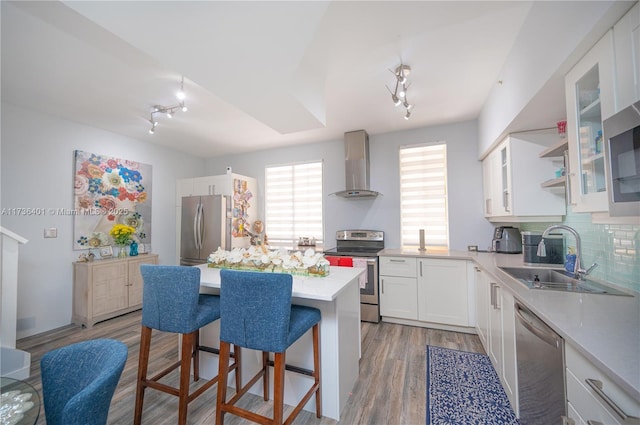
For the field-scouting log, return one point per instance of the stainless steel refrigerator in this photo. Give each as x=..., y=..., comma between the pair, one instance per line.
x=206, y=225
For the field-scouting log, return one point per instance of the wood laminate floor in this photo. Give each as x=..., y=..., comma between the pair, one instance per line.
x=390, y=390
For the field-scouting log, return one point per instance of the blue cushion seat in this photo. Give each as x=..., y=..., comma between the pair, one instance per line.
x=171, y=302
x=256, y=313
x=78, y=381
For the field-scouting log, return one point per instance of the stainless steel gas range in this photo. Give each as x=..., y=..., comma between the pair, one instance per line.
x=362, y=247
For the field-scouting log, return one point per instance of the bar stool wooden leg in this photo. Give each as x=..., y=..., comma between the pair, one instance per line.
x=223, y=374
x=237, y=353
x=196, y=357
x=278, y=388
x=185, y=368
x=265, y=375
x=143, y=363
x=316, y=368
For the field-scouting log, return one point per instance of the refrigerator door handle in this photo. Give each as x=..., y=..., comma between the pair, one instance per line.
x=196, y=217
x=201, y=227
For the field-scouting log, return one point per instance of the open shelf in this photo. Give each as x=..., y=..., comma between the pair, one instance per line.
x=558, y=182
x=555, y=150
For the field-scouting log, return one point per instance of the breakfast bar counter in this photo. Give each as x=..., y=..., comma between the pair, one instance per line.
x=337, y=296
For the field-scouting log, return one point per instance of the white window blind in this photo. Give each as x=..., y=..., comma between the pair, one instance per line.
x=293, y=203
x=423, y=195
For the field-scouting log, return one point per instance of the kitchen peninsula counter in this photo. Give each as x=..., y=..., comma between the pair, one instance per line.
x=337, y=296
x=603, y=328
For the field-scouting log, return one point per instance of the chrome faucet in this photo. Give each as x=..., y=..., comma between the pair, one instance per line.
x=578, y=271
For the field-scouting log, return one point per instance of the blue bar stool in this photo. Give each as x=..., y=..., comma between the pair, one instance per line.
x=78, y=381
x=171, y=302
x=256, y=313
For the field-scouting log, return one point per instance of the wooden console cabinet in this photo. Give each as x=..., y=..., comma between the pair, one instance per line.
x=103, y=289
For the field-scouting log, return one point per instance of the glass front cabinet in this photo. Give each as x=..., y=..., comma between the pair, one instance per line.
x=590, y=99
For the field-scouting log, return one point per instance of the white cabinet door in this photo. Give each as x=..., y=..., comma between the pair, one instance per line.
x=626, y=34
x=443, y=291
x=482, y=306
x=495, y=326
x=590, y=100
x=509, y=365
x=398, y=297
x=513, y=174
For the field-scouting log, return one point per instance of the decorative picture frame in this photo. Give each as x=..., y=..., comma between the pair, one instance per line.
x=141, y=248
x=106, y=251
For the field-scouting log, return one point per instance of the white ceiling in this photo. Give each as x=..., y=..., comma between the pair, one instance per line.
x=257, y=74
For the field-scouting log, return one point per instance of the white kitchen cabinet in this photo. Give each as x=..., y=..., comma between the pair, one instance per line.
x=494, y=350
x=586, y=405
x=513, y=174
x=509, y=373
x=197, y=186
x=589, y=94
x=443, y=293
x=496, y=328
x=482, y=305
x=626, y=34
x=398, y=288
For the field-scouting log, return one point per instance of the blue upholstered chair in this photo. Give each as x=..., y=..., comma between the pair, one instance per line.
x=256, y=313
x=78, y=381
x=171, y=302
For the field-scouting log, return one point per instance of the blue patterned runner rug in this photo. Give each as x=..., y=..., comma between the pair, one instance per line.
x=463, y=388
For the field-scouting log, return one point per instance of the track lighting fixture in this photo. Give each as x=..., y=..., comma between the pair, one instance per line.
x=399, y=95
x=169, y=111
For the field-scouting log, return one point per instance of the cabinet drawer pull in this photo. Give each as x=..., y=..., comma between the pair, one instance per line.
x=590, y=422
x=596, y=386
x=396, y=261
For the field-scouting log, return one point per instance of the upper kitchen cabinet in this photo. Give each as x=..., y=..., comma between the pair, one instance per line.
x=626, y=34
x=590, y=99
x=512, y=176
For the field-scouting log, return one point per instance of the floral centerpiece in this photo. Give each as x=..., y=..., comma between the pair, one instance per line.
x=259, y=258
x=122, y=236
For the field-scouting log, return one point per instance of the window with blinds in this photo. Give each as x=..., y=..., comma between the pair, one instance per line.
x=423, y=195
x=293, y=203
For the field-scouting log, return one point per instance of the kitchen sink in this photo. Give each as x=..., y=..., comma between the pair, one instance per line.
x=558, y=280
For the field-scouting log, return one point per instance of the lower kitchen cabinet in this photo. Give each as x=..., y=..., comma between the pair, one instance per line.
x=103, y=289
x=482, y=306
x=398, y=288
x=585, y=404
x=431, y=292
x=443, y=296
x=496, y=328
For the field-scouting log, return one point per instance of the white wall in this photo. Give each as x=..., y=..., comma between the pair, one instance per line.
x=467, y=225
x=37, y=172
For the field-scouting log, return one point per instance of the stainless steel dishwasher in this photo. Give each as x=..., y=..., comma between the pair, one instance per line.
x=541, y=381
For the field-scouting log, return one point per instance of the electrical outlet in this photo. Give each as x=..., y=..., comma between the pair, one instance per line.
x=51, y=233
x=472, y=247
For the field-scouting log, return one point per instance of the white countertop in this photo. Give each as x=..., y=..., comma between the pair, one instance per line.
x=604, y=328
x=311, y=287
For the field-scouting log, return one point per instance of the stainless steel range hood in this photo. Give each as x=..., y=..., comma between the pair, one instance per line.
x=356, y=148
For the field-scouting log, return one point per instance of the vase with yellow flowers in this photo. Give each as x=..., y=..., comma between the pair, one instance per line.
x=122, y=236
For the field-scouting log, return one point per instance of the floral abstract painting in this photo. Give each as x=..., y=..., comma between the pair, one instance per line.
x=109, y=191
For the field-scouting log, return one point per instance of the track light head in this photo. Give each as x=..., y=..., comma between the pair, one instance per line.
x=168, y=110
x=396, y=99
x=407, y=115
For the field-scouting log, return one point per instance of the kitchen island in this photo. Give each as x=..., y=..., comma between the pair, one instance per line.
x=337, y=296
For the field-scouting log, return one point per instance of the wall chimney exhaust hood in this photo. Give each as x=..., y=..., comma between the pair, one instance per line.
x=356, y=148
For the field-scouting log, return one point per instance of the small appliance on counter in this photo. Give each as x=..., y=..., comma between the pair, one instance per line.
x=507, y=240
x=554, y=244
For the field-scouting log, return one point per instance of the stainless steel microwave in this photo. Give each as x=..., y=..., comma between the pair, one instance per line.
x=622, y=152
